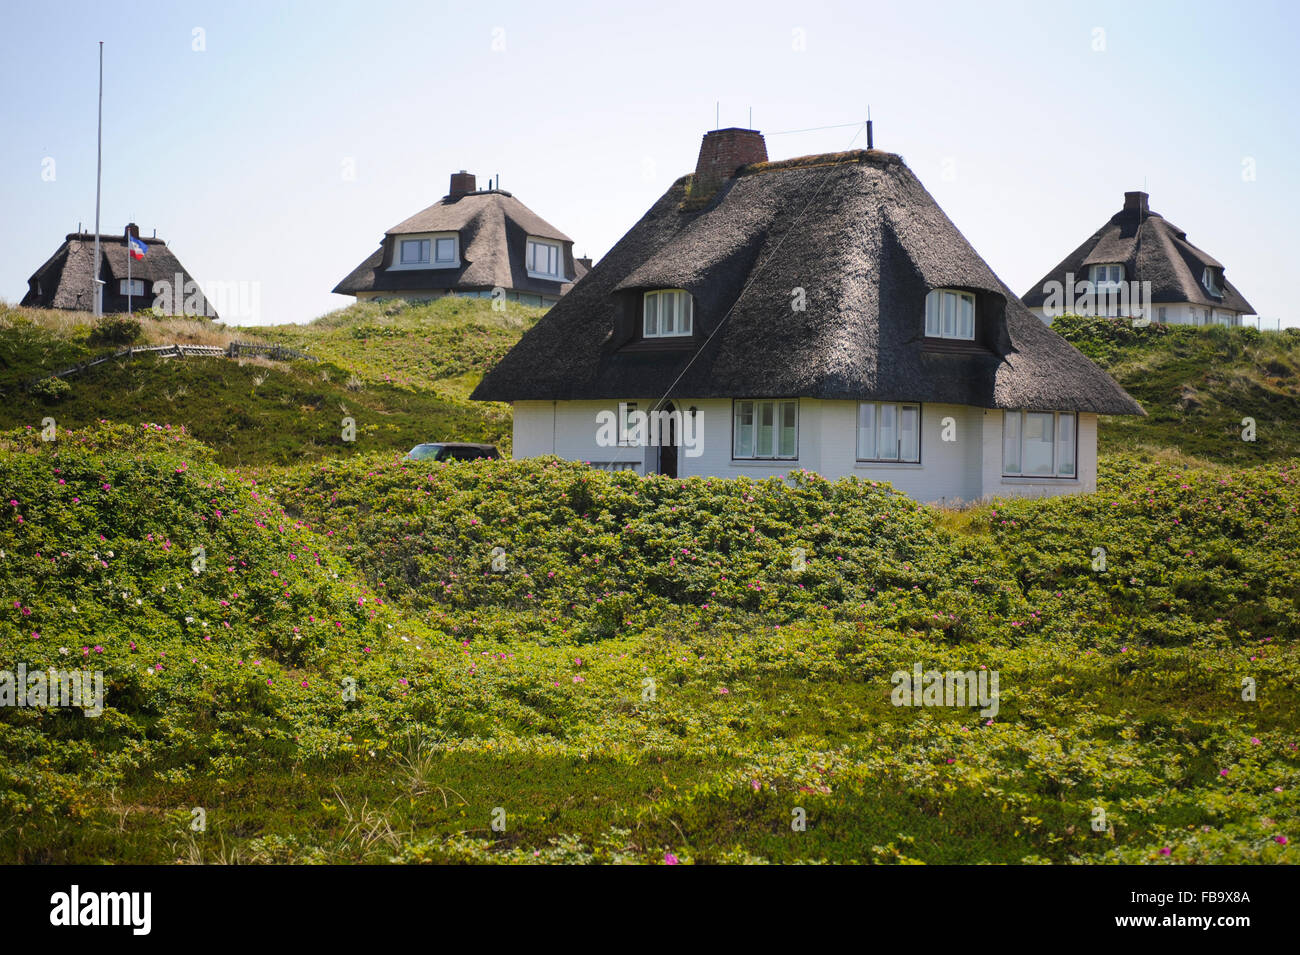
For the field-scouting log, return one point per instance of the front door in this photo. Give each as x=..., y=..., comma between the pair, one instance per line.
x=668, y=441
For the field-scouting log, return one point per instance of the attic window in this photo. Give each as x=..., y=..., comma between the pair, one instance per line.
x=544, y=260
x=1107, y=274
x=432, y=251
x=669, y=313
x=950, y=314
x=1212, y=279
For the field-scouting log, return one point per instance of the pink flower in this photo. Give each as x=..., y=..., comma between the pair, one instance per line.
x=1223, y=772
x=670, y=859
x=1280, y=840
x=1166, y=851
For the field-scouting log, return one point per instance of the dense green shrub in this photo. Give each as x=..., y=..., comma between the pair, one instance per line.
x=116, y=330
x=50, y=389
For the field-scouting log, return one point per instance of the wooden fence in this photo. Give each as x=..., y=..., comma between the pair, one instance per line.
x=233, y=350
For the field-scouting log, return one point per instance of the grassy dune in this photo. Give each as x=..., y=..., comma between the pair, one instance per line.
x=649, y=677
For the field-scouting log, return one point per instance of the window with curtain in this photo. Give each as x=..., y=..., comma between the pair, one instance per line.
x=544, y=259
x=1039, y=443
x=669, y=313
x=889, y=432
x=765, y=429
x=950, y=314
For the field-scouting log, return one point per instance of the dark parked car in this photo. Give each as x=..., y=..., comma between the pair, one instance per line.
x=452, y=451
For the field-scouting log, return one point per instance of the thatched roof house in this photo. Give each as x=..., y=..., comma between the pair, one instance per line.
x=822, y=313
x=470, y=242
x=66, y=278
x=1136, y=245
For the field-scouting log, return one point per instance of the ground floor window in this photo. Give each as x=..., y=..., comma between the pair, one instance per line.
x=765, y=429
x=1039, y=443
x=889, y=432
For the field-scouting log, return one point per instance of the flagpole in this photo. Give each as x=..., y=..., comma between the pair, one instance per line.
x=130, y=254
x=99, y=167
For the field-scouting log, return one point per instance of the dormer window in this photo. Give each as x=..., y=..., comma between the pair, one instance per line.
x=1212, y=279
x=669, y=313
x=950, y=313
x=545, y=260
x=1107, y=274
x=432, y=251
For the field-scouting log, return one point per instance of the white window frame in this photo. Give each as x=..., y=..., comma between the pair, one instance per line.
x=1106, y=274
x=680, y=329
x=627, y=438
x=753, y=408
x=432, y=262
x=876, y=416
x=137, y=287
x=551, y=245
x=1207, y=282
x=1020, y=419
x=937, y=314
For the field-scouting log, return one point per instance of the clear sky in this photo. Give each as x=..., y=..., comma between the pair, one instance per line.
x=1026, y=121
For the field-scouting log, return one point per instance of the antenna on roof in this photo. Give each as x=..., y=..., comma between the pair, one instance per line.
x=870, y=141
x=717, y=113
x=751, y=117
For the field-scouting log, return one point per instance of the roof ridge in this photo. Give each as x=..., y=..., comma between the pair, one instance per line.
x=876, y=156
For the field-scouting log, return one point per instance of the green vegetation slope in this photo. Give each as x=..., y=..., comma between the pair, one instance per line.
x=378, y=660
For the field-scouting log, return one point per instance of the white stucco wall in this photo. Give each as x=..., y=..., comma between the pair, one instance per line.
x=967, y=468
x=1177, y=313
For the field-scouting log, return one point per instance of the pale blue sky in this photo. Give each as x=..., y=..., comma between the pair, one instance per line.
x=1024, y=132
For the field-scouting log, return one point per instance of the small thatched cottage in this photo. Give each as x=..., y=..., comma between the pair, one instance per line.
x=1106, y=275
x=471, y=242
x=66, y=278
x=818, y=313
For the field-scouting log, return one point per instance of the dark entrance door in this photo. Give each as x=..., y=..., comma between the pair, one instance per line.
x=669, y=439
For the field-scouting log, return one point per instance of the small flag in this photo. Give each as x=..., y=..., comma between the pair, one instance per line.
x=136, y=247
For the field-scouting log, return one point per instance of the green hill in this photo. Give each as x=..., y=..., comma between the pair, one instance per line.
x=646, y=672
x=402, y=373
x=1197, y=384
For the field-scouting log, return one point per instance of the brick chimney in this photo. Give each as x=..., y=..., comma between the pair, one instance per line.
x=722, y=152
x=133, y=230
x=584, y=262
x=1136, y=202
x=461, y=183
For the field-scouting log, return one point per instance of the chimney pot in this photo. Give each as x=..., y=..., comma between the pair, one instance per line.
x=722, y=152
x=461, y=183
x=133, y=230
x=1136, y=202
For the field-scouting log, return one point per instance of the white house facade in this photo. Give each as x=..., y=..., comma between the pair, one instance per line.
x=946, y=454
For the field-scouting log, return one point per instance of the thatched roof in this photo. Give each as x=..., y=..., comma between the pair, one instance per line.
x=493, y=226
x=1151, y=249
x=864, y=240
x=65, y=280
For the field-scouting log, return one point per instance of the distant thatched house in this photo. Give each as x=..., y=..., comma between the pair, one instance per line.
x=471, y=242
x=66, y=278
x=1107, y=274
x=818, y=313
